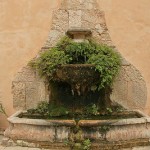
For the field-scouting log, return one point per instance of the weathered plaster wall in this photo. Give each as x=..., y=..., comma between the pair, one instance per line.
x=129, y=26
x=24, y=26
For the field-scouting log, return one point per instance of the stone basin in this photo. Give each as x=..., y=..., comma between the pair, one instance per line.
x=80, y=76
x=39, y=131
x=77, y=73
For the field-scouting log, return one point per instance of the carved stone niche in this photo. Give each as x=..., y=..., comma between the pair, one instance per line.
x=129, y=88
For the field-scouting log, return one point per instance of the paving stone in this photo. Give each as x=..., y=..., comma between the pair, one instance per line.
x=27, y=148
x=34, y=149
x=1, y=137
x=16, y=148
x=1, y=147
x=141, y=148
x=11, y=143
x=4, y=140
x=51, y=149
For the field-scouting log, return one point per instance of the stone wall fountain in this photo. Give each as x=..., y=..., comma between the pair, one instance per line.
x=79, y=19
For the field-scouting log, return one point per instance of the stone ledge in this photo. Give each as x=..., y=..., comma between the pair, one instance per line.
x=83, y=123
x=16, y=120
x=95, y=123
x=83, y=31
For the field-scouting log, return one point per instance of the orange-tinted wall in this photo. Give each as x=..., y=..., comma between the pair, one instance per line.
x=24, y=27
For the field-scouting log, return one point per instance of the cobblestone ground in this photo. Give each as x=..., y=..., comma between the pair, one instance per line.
x=27, y=148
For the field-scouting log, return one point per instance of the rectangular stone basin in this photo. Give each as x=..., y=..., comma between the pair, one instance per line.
x=57, y=131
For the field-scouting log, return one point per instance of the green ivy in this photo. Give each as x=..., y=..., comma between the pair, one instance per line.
x=87, y=144
x=49, y=60
x=107, y=61
x=92, y=110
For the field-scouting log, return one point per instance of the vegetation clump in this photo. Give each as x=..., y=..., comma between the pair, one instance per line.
x=106, y=61
x=92, y=110
x=82, y=145
x=2, y=109
x=48, y=110
x=54, y=111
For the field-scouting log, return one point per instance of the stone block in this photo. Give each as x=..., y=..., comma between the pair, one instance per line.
x=31, y=94
x=32, y=133
x=19, y=142
x=141, y=148
x=62, y=133
x=60, y=20
x=35, y=93
x=99, y=28
x=11, y=143
x=120, y=89
x=75, y=18
x=16, y=148
x=35, y=149
x=79, y=4
x=118, y=130
x=19, y=95
x=96, y=22
x=129, y=89
x=91, y=133
x=32, y=144
x=25, y=144
x=4, y=141
x=91, y=18
x=2, y=147
x=53, y=37
x=27, y=74
x=127, y=132
x=105, y=38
